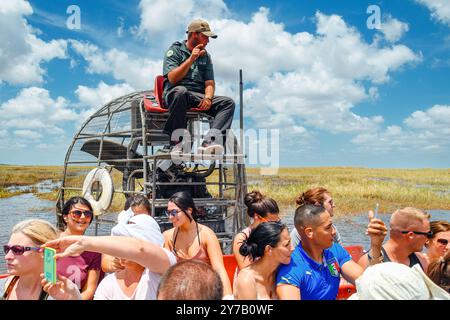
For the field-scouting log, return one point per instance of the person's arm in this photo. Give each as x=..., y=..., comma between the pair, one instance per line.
x=245, y=287
x=87, y=293
x=351, y=271
x=377, y=232
x=242, y=261
x=288, y=292
x=364, y=261
x=215, y=256
x=206, y=102
x=167, y=239
x=178, y=73
x=145, y=253
x=111, y=264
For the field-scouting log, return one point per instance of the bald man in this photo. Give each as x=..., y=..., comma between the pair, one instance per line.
x=409, y=230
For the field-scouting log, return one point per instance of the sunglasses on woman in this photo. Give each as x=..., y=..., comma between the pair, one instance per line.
x=444, y=242
x=172, y=213
x=77, y=213
x=17, y=249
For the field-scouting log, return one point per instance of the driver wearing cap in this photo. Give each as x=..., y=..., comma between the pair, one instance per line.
x=189, y=83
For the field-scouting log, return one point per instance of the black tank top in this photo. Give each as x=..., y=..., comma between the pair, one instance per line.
x=413, y=260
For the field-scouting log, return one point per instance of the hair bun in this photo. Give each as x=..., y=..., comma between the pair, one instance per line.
x=252, y=197
x=248, y=249
x=300, y=200
x=244, y=249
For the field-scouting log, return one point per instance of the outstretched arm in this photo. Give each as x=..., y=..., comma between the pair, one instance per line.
x=145, y=253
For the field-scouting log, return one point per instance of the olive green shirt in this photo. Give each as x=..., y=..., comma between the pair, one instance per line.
x=200, y=71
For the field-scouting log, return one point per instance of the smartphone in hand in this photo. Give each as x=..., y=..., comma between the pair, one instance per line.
x=50, y=265
x=375, y=212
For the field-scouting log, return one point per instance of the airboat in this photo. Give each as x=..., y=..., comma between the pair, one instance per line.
x=116, y=153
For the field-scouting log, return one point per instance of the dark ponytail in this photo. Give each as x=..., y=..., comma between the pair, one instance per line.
x=264, y=234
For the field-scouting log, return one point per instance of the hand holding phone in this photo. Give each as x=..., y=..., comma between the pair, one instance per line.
x=50, y=265
x=375, y=213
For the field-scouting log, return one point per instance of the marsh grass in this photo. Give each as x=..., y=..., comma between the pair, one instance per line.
x=25, y=176
x=357, y=190
x=354, y=190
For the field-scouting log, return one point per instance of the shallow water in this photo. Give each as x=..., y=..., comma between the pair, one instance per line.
x=27, y=206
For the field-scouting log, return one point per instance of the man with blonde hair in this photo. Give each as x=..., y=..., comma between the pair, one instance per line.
x=409, y=231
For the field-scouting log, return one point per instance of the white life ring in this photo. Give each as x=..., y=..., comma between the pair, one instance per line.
x=99, y=175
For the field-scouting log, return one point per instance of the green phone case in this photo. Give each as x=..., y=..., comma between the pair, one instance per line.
x=50, y=265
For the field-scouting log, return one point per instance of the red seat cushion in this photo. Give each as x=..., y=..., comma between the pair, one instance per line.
x=155, y=103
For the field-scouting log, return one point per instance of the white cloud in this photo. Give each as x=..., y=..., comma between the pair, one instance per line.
x=335, y=48
x=163, y=21
x=22, y=52
x=393, y=29
x=436, y=118
x=27, y=134
x=440, y=9
x=35, y=103
x=97, y=97
x=424, y=130
x=306, y=80
x=120, y=28
x=300, y=82
x=138, y=73
x=34, y=115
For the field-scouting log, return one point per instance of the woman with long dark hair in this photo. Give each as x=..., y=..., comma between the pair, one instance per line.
x=189, y=239
x=268, y=246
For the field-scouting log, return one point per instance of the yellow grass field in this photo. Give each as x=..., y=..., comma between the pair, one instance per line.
x=354, y=190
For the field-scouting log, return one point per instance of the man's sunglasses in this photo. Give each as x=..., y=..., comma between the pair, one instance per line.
x=428, y=234
x=18, y=250
x=77, y=213
x=444, y=242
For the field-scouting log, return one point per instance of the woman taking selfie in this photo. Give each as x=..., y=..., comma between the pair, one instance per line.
x=24, y=260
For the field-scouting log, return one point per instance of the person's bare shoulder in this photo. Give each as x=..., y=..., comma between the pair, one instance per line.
x=206, y=231
x=423, y=260
x=168, y=235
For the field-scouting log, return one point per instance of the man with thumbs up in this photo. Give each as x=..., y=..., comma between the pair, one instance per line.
x=189, y=83
x=317, y=262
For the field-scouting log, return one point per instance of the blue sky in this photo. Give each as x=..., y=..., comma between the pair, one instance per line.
x=339, y=93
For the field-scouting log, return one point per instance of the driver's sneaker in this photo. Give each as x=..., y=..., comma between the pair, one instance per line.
x=210, y=148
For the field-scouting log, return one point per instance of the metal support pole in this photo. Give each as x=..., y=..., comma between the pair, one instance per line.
x=241, y=111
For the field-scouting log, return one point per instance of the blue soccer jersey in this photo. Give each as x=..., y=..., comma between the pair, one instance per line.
x=316, y=281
